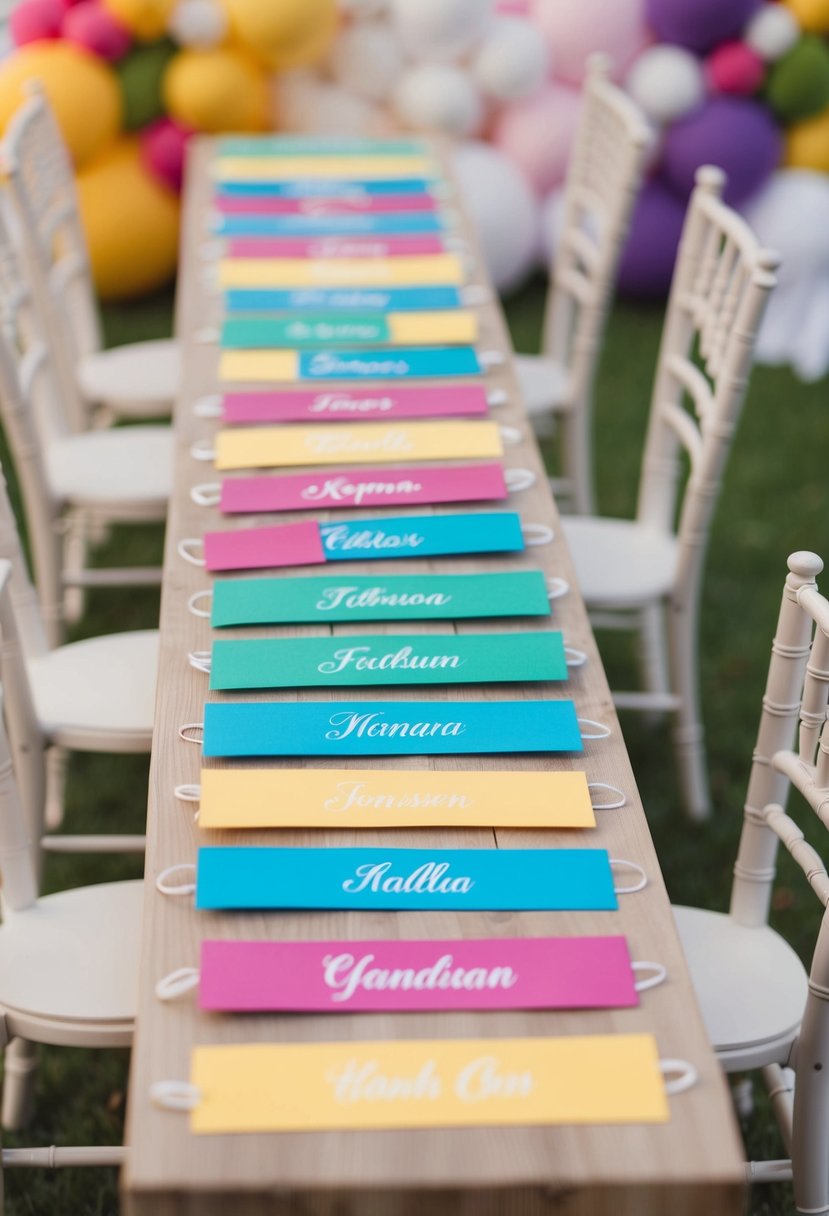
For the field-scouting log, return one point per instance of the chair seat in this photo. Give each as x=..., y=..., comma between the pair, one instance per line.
x=542, y=381
x=98, y=694
x=73, y=956
x=619, y=563
x=138, y=380
x=751, y=985
x=130, y=465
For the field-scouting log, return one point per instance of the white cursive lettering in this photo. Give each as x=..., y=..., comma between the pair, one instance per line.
x=360, y=658
x=350, y=722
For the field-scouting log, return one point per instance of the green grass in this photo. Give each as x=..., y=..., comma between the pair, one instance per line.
x=773, y=502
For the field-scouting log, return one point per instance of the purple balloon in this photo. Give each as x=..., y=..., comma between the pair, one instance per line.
x=699, y=24
x=735, y=133
x=648, y=259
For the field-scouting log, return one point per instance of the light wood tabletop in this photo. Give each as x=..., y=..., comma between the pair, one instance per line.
x=688, y=1165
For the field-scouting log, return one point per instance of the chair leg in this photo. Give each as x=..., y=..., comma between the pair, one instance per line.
x=577, y=458
x=57, y=762
x=688, y=734
x=75, y=554
x=653, y=653
x=20, y=1064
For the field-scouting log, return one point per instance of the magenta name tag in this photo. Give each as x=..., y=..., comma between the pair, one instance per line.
x=285, y=545
x=334, y=246
x=384, y=976
x=344, y=204
x=363, y=488
x=355, y=405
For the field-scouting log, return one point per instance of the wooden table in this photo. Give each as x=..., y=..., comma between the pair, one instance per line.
x=690, y=1165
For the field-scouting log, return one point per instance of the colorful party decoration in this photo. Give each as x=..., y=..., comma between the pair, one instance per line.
x=701, y=25
x=36, y=21
x=574, y=32
x=807, y=144
x=96, y=29
x=217, y=89
x=798, y=84
x=735, y=67
x=141, y=76
x=285, y=35
x=667, y=82
x=731, y=132
x=648, y=259
x=146, y=19
x=811, y=15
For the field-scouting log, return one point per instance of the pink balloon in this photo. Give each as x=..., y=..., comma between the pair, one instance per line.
x=35, y=20
x=574, y=29
x=93, y=27
x=734, y=67
x=163, y=146
x=537, y=134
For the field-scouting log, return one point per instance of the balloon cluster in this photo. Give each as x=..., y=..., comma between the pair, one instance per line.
x=130, y=81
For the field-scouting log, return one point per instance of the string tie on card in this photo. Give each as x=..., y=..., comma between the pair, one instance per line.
x=619, y=863
x=607, y=806
x=557, y=587
x=192, y=603
x=190, y=726
x=602, y=731
x=200, y=659
x=574, y=656
x=187, y=792
x=208, y=336
x=658, y=975
x=175, y=1095
x=475, y=293
x=202, y=449
x=519, y=479
x=207, y=494
x=176, y=889
x=688, y=1076
x=510, y=436
x=491, y=358
x=208, y=407
x=184, y=548
x=177, y=983
x=537, y=534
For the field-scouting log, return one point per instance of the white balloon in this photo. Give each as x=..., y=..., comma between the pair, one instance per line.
x=789, y=215
x=438, y=97
x=513, y=60
x=439, y=29
x=503, y=209
x=367, y=59
x=198, y=23
x=772, y=31
x=667, y=82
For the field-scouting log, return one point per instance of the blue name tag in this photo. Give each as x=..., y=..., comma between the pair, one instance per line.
x=373, y=223
x=357, y=299
x=464, y=879
x=325, y=187
x=422, y=536
x=383, y=364
x=388, y=728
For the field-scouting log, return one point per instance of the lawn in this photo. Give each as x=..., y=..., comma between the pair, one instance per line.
x=774, y=501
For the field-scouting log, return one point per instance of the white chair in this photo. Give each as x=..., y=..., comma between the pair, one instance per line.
x=68, y=962
x=139, y=380
x=604, y=176
x=646, y=573
x=73, y=483
x=760, y=1008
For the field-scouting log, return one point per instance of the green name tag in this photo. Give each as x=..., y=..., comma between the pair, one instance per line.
x=395, y=597
x=311, y=329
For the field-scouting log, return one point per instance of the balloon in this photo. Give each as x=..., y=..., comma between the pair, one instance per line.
x=198, y=23
x=574, y=29
x=737, y=134
x=811, y=15
x=807, y=143
x=650, y=251
x=367, y=60
x=438, y=97
x=163, y=145
x=502, y=208
x=95, y=29
x=772, y=31
x=141, y=74
x=35, y=20
x=512, y=61
x=219, y=89
x=439, y=29
x=284, y=33
x=146, y=19
x=667, y=82
x=131, y=223
x=81, y=90
x=798, y=84
x=537, y=134
x=701, y=24
x=316, y=107
x=735, y=67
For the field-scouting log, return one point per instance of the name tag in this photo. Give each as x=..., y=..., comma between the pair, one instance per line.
x=424, y=271
x=332, y=223
x=373, y=363
x=398, y=659
x=271, y=168
x=308, y=189
x=350, y=329
x=398, y=597
x=388, y=728
x=355, y=405
x=316, y=145
x=394, y=299
x=404, y=245
x=356, y=202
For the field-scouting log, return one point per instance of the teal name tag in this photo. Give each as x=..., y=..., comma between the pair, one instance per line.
x=311, y=329
x=397, y=659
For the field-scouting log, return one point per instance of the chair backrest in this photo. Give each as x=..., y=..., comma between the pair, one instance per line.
x=721, y=284
x=41, y=187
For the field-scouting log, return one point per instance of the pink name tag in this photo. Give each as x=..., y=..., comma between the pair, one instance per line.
x=363, y=488
x=342, y=204
x=334, y=246
x=355, y=405
x=382, y=976
x=284, y=545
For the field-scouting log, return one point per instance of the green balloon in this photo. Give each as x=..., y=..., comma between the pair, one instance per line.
x=140, y=74
x=798, y=84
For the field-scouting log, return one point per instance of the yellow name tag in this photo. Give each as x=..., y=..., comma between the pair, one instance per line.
x=422, y=1083
x=356, y=168
x=371, y=798
x=419, y=270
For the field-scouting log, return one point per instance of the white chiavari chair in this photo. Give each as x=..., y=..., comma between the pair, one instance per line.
x=646, y=573
x=603, y=179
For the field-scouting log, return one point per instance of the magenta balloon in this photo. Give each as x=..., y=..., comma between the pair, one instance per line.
x=735, y=133
x=699, y=24
x=650, y=252
x=94, y=28
x=35, y=20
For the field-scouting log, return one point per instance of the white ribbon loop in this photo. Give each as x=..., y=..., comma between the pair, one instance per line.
x=202, y=449
x=200, y=659
x=510, y=436
x=207, y=494
x=198, y=727
x=557, y=587
x=537, y=534
x=208, y=407
x=607, y=806
x=175, y=1095
x=491, y=358
x=688, y=1076
x=193, y=601
x=188, y=792
x=602, y=731
x=496, y=397
x=617, y=863
x=654, y=975
x=185, y=547
x=519, y=479
x=574, y=656
x=174, y=985
x=176, y=889
x=475, y=293
x=208, y=336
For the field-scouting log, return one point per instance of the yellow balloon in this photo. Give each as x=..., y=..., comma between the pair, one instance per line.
x=811, y=14
x=131, y=223
x=81, y=89
x=146, y=19
x=217, y=89
x=284, y=33
x=807, y=143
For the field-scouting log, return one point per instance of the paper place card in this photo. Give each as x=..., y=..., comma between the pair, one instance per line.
x=358, y=299
x=257, y=1087
x=378, y=443
x=328, y=224
x=273, y=366
x=470, y=880
x=282, y=168
x=307, y=543
x=406, y=487
x=326, y=188
x=428, y=270
x=388, y=728
x=316, y=145
x=373, y=798
x=334, y=246
x=365, y=659
x=397, y=597
x=350, y=329
x=355, y=405
x=408, y=976
x=338, y=204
